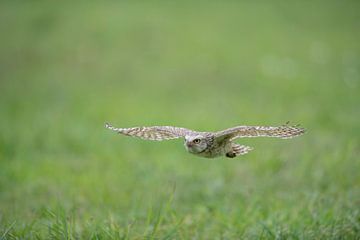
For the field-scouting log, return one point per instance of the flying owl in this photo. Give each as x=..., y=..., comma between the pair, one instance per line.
x=211, y=144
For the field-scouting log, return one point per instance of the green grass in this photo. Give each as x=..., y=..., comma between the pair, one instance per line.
x=66, y=68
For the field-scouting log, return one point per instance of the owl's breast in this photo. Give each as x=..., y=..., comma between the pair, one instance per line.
x=215, y=150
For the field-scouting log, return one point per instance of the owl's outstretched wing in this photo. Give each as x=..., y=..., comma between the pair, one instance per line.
x=283, y=132
x=157, y=133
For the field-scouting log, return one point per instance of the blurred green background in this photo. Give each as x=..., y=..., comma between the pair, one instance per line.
x=68, y=67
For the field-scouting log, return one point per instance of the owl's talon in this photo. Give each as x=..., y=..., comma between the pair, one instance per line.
x=230, y=154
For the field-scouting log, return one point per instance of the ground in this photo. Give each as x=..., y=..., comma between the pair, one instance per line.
x=66, y=68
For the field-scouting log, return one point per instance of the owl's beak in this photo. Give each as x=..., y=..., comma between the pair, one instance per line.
x=189, y=144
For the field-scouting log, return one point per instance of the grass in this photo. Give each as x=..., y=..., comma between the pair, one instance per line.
x=66, y=68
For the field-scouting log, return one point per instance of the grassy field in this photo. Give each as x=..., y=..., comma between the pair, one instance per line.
x=66, y=68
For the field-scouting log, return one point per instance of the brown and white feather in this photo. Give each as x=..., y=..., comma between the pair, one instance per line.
x=283, y=132
x=157, y=133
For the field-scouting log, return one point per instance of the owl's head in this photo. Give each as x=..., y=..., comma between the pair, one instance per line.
x=195, y=144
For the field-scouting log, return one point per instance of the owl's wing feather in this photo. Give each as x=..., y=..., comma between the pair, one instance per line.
x=283, y=132
x=156, y=133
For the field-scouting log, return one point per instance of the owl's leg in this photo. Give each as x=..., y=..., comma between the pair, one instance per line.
x=237, y=149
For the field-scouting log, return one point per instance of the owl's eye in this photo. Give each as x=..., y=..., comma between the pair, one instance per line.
x=196, y=140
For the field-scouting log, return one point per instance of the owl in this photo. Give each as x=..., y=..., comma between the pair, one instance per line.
x=211, y=144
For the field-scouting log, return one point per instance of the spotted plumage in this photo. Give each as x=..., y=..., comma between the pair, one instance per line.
x=211, y=144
